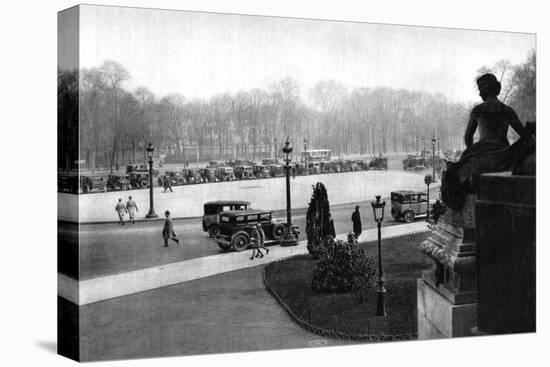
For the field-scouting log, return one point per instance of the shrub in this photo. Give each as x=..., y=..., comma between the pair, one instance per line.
x=345, y=268
x=317, y=221
x=436, y=211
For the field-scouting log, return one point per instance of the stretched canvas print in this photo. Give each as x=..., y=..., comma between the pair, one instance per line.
x=232, y=183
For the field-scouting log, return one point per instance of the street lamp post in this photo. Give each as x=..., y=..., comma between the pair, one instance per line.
x=275, y=150
x=288, y=238
x=378, y=210
x=428, y=180
x=150, y=150
x=305, y=151
x=433, y=158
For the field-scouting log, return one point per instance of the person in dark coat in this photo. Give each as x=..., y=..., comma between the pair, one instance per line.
x=331, y=229
x=168, y=230
x=356, y=220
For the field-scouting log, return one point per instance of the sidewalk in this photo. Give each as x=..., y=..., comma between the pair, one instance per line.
x=187, y=201
x=103, y=288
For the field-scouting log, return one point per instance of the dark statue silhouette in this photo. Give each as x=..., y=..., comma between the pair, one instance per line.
x=493, y=152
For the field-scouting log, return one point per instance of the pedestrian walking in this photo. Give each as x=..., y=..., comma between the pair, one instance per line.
x=257, y=241
x=331, y=229
x=293, y=171
x=120, y=209
x=168, y=230
x=132, y=209
x=356, y=220
x=168, y=183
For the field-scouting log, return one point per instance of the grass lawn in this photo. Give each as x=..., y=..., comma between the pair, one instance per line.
x=346, y=313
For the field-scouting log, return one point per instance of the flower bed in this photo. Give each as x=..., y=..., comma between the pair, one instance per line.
x=352, y=315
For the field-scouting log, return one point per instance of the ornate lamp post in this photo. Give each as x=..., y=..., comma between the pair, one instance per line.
x=150, y=150
x=428, y=179
x=275, y=151
x=288, y=238
x=305, y=152
x=433, y=158
x=378, y=210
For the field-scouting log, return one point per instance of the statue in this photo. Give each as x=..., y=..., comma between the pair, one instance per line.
x=492, y=153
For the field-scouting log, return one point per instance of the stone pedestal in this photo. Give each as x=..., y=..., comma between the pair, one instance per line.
x=506, y=212
x=447, y=294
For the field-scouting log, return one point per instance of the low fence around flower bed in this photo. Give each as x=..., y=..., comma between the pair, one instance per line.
x=401, y=288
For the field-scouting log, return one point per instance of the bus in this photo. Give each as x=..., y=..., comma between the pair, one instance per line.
x=317, y=155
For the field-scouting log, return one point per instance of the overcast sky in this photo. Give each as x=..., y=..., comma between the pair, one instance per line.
x=202, y=54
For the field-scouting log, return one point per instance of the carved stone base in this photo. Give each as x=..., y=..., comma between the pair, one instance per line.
x=440, y=318
x=447, y=294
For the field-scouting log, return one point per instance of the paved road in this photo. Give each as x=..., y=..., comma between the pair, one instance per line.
x=230, y=312
x=110, y=248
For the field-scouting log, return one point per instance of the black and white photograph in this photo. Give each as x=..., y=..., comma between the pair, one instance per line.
x=235, y=181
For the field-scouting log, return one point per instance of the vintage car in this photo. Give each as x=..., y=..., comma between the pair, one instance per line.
x=314, y=168
x=176, y=178
x=408, y=205
x=358, y=165
x=414, y=162
x=192, y=175
x=210, y=218
x=139, y=179
x=243, y=172
x=378, y=163
x=118, y=182
x=140, y=168
x=276, y=170
x=260, y=171
x=209, y=174
x=225, y=173
x=300, y=168
x=235, y=227
x=345, y=165
x=216, y=164
x=238, y=162
x=328, y=167
x=91, y=183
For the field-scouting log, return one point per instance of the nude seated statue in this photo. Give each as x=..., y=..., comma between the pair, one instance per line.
x=492, y=152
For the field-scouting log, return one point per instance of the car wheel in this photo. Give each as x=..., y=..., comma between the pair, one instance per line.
x=144, y=183
x=408, y=216
x=278, y=231
x=240, y=241
x=213, y=230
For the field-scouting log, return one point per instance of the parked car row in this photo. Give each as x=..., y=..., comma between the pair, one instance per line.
x=137, y=177
x=419, y=162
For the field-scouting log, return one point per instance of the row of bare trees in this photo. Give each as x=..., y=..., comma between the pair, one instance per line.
x=115, y=124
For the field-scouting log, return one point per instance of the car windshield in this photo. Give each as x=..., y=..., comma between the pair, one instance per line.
x=397, y=198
